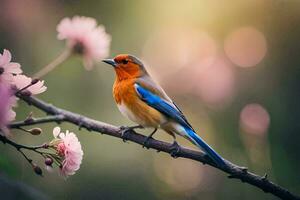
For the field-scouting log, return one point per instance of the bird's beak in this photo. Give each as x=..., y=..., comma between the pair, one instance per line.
x=110, y=62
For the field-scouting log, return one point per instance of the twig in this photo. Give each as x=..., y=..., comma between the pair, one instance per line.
x=25, y=156
x=19, y=148
x=60, y=59
x=5, y=140
x=33, y=121
x=233, y=170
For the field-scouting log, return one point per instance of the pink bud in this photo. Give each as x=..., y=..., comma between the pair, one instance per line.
x=48, y=161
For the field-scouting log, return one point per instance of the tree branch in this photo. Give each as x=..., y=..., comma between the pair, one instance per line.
x=233, y=170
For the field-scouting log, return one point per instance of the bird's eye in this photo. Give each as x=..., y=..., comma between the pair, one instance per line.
x=125, y=61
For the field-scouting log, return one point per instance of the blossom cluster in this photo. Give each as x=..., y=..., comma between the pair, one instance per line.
x=67, y=152
x=67, y=149
x=84, y=38
x=12, y=81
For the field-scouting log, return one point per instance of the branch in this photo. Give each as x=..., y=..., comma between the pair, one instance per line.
x=233, y=170
x=33, y=121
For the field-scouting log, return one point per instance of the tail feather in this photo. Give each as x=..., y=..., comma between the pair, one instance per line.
x=205, y=147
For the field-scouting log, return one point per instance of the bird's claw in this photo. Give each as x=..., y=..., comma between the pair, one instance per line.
x=175, y=150
x=124, y=132
x=146, y=142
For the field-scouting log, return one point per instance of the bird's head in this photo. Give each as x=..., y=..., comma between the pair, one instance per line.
x=126, y=66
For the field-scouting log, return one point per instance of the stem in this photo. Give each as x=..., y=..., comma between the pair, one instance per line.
x=25, y=130
x=19, y=146
x=24, y=155
x=60, y=59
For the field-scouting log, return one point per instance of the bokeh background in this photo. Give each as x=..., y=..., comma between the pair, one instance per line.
x=232, y=66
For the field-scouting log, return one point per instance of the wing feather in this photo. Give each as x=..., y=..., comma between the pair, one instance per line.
x=148, y=83
x=161, y=105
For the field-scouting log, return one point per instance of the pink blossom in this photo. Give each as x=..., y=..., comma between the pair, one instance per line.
x=85, y=37
x=21, y=81
x=7, y=101
x=8, y=68
x=69, y=149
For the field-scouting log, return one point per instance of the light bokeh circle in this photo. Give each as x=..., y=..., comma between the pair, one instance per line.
x=246, y=46
x=254, y=119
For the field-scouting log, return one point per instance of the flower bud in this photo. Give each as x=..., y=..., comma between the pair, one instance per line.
x=48, y=161
x=37, y=170
x=35, y=131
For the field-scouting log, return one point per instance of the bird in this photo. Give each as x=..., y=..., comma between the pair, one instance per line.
x=143, y=101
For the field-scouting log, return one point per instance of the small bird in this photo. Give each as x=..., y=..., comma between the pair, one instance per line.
x=144, y=102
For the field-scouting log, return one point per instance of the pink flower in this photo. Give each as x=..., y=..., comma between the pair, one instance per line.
x=7, y=68
x=85, y=37
x=21, y=81
x=7, y=101
x=69, y=149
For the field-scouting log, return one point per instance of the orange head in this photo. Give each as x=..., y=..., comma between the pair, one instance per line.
x=126, y=66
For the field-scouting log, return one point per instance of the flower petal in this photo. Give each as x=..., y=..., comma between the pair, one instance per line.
x=13, y=68
x=56, y=131
x=5, y=58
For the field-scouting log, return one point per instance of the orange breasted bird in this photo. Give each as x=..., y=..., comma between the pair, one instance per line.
x=144, y=102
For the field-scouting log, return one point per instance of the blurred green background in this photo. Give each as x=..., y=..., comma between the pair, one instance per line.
x=212, y=57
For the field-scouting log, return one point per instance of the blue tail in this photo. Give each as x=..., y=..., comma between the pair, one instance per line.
x=205, y=147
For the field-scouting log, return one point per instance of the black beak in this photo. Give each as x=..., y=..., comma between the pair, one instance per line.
x=110, y=62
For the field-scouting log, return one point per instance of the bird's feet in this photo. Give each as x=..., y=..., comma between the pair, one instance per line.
x=175, y=150
x=146, y=142
x=125, y=131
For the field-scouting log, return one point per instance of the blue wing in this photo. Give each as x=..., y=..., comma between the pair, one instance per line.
x=172, y=112
x=147, y=83
x=161, y=105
